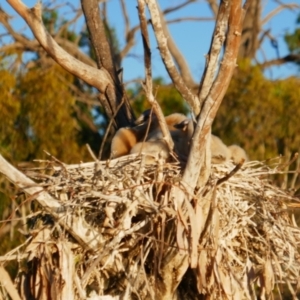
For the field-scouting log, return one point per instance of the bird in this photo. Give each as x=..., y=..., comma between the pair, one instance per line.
x=147, y=138
x=219, y=151
x=237, y=154
x=155, y=144
x=171, y=120
x=152, y=150
x=127, y=137
x=123, y=141
x=182, y=137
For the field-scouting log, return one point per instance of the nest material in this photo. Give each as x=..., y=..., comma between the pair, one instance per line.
x=248, y=245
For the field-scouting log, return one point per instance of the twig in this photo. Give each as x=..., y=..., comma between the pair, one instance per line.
x=148, y=74
x=225, y=178
x=8, y=284
x=84, y=236
x=92, y=76
x=167, y=57
x=177, y=7
x=111, y=121
x=214, y=52
x=91, y=152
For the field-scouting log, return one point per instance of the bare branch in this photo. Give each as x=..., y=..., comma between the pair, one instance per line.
x=64, y=27
x=131, y=33
x=32, y=45
x=7, y=283
x=167, y=57
x=97, y=78
x=192, y=19
x=213, y=100
x=214, y=52
x=114, y=92
x=294, y=58
x=178, y=57
x=277, y=10
x=148, y=88
x=126, y=19
x=213, y=6
x=98, y=37
x=177, y=7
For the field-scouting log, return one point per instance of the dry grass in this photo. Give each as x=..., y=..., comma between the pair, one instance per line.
x=249, y=245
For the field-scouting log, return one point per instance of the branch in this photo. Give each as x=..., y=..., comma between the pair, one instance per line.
x=32, y=45
x=98, y=37
x=213, y=6
x=179, y=6
x=192, y=19
x=7, y=283
x=178, y=57
x=277, y=10
x=293, y=58
x=198, y=156
x=126, y=20
x=220, y=85
x=115, y=92
x=167, y=57
x=97, y=78
x=148, y=74
x=214, y=52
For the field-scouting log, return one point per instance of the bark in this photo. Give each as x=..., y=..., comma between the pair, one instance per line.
x=147, y=86
x=291, y=58
x=98, y=78
x=115, y=93
x=167, y=57
x=251, y=31
x=180, y=61
x=214, y=52
x=7, y=283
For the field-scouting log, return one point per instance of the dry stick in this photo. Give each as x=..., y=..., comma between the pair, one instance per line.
x=147, y=131
x=197, y=154
x=95, y=77
x=84, y=236
x=287, y=164
x=167, y=57
x=225, y=178
x=91, y=152
x=218, y=39
x=8, y=284
x=108, y=128
x=179, y=59
x=148, y=74
x=296, y=172
x=214, y=98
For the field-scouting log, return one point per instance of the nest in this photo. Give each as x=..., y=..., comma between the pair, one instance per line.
x=247, y=247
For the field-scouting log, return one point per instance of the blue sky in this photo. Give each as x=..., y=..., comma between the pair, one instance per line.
x=193, y=38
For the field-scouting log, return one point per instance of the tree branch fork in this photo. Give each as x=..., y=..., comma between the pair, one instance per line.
x=205, y=105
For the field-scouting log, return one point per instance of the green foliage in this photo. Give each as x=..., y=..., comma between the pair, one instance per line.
x=259, y=114
x=293, y=40
x=37, y=110
x=167, y=96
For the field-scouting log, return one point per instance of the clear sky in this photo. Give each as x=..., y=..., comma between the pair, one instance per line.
x=193, y=38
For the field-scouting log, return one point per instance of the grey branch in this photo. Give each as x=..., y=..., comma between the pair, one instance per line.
x=214, y=52
x=92, y=76
x=148, y=88
x=167, y=57
x=177, y=55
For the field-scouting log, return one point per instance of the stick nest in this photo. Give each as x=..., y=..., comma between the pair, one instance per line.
x=248, y=244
